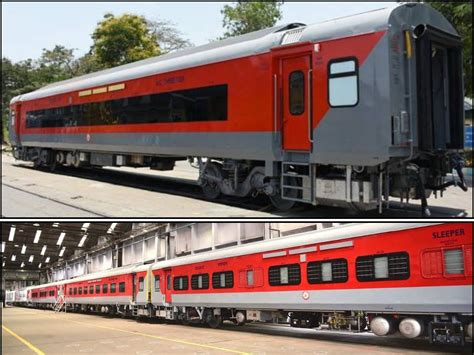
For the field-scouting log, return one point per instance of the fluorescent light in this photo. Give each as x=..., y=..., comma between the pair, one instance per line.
x=3, y=247
x=47, y=260
x=13, y=257
x=43, y=250
x=61, y=238
x=85, y=226
x=12, y=233
x=3, y=264
x=83, y=239
x=62, y=251
x=22, y=264
x=23, y=249
x=55, y=225
x=37, y=236
x=39, y=266
x=31, y=258
x=112, y=227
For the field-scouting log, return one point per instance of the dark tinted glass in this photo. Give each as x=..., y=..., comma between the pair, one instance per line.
x=97, y=288
x=201, y=104
x=122, y=287
x=297, y=100
x=113, y=288
x=104, y=288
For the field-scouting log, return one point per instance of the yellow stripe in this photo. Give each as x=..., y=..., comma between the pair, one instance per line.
x=99, y=90
x=28, y=344
x=163, y=338
x=408, y=44
x=85, y=93
x=116, y=87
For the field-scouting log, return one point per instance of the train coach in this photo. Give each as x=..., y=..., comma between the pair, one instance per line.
x=413, y=278
x=344, y=113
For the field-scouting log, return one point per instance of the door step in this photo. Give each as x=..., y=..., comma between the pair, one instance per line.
x=297, y=181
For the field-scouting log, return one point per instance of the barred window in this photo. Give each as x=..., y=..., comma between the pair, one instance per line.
x=113, y=288
x=393, y=266
x=223, y=279
x=104, y=288
x=180, y=283
x=80, y=290
x=91, y=289
x=97, y=288
x=327, y=271
x=453, y=262
x=85, y=290
x=284, y=275
x=200, y=282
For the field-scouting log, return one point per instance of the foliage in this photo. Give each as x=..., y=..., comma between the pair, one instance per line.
x=460, y=15
x=123, y=39
x=248, y=16
x=168, y=37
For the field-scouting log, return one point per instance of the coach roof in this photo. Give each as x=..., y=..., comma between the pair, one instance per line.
x=237, y=47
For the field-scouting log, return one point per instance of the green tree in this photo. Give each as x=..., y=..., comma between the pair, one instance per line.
x=460, y=15
x=248, y=16
x=123, y=39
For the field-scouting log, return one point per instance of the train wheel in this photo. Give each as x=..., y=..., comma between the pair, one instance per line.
x=211, y=189
x=285, y=205
x=215, y=322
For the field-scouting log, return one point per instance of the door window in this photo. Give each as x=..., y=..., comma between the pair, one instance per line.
x=297, y=101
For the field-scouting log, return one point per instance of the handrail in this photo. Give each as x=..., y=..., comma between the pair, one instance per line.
x=310, y=96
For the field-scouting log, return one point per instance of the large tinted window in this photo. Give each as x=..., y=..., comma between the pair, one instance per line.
x=201, y=104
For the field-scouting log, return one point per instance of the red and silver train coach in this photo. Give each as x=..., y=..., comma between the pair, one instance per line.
x=344, y=113
x=414, y=279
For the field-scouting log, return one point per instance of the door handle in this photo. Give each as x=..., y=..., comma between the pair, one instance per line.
x=310, y=126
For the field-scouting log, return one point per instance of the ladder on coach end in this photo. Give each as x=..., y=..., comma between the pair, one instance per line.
x=60, y=304
x=298, y=178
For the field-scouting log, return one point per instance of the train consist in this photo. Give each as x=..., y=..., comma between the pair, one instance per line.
x=344, y=113
x=414, y=279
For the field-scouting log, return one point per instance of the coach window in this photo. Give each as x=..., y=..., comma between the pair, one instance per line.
x=70, y=292
x=97, y=289
x=249, y=277
x=343, y=84
x=180, y=283
x=453, y=262
x=85, y=290
x=104, y=288
x=113, y=288
x=75, y=290
x=327, y=271
x=297, y=96
x=200, y=282
x=157, y=283
x=91, y=289
x=223, y=279
x=284, y=275
x=394, y=266
x=122, y=287
x=141, y=284
x=168, y=282
x=80, y=290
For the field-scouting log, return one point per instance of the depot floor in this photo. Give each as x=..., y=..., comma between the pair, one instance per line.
x=29, y=331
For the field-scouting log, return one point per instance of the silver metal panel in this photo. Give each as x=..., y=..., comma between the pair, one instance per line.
x=245, y=145
x=274, y=254
x=302, y=250
x=403, y=299
x=349, y=243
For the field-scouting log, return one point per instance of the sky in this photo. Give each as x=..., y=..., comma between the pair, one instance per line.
x=27, y=28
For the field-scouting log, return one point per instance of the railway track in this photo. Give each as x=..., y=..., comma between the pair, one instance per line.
x=188, y=188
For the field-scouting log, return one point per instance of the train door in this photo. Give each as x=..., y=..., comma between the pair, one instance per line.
x=296, y=102
x=168, y=285
x=439, y=89
x=134, y=288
